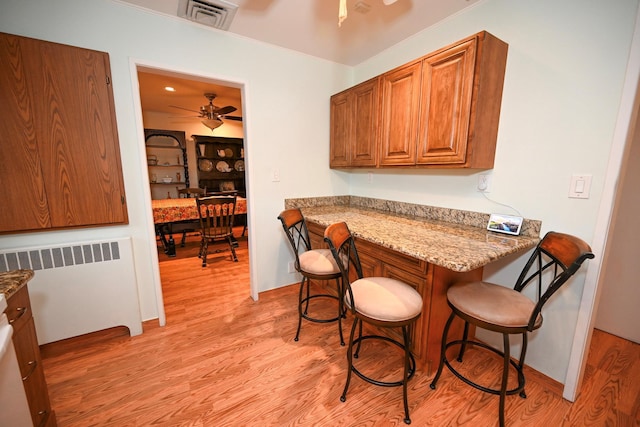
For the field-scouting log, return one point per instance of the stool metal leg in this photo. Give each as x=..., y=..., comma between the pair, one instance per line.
x=343, y=397
x=443, y=350
x=505, y=377
x=405, y=380
x=341, y=311
x=465, y=336
x=300, y=299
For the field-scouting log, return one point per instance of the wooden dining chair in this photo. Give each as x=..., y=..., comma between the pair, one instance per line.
x=382, y=302
x=216, y=223
x=509, y=311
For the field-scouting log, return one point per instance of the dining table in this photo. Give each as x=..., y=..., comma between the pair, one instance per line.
x=167, y=212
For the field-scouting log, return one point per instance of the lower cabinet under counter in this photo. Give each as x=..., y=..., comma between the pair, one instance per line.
x=431, y=281
x=28, y=354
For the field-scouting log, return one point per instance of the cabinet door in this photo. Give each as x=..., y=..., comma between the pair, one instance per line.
x=399, y=116
x=24, y=201
x=340, y=137
x=65, y=135
x=447, y=87
x=364, y=103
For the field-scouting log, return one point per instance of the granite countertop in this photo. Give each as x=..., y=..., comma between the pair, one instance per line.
x=12, y=281
x=453, y=244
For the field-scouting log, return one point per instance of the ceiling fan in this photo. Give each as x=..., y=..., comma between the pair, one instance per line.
x=212, y=115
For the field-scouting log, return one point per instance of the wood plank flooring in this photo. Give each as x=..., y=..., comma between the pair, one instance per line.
x=226, y=360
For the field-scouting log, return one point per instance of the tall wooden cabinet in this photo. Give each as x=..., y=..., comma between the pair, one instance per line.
x=58, y=139
x=440, y=110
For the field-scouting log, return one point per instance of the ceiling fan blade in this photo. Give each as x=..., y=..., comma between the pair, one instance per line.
x=226, y=110
x=236, y=118
x=182, y=108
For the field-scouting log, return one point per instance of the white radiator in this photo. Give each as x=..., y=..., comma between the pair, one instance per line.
x=79, y=287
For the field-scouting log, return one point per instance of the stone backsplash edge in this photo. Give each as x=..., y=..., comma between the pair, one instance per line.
x=529, y=228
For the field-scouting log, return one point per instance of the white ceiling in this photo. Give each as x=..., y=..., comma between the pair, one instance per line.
x=311, y=26
x=307, y=26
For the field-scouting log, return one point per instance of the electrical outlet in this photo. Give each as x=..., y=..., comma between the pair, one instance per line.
x=484, y=183
x=292, y=267
x=275, y=175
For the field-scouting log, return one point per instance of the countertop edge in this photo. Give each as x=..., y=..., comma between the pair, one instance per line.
x=11, y=281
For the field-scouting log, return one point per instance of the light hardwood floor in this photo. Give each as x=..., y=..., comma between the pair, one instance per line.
x=226, y=360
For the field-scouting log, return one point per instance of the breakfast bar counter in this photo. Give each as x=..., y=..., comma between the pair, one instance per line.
x=427, y=247
x=457, y=247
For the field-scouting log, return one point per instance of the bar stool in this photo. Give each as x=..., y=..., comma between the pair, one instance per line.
x=507, y=311
x=312, y=264
x=379, y=301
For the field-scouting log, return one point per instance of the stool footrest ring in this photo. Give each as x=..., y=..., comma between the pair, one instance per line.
x=305, y=301
x=510, y=392
x=412, y=362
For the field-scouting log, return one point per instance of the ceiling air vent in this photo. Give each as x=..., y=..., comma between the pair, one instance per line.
x=214, y=13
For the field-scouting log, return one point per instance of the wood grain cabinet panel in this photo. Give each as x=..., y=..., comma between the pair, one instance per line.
x=340, y=137
x=354, y=129
x=460, y=103
x=59, y=132
x=447, y=85
x=400, y=113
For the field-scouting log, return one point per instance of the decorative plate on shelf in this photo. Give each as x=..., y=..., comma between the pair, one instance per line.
x=223, y=167
x=228, y=152
x=205, y=165
x=239, y=165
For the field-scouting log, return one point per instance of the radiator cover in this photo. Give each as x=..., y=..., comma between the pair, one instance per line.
x=79, y=287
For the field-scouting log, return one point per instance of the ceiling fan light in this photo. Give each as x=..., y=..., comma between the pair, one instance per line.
x=212, y=123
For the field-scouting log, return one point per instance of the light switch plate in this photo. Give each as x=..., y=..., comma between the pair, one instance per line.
x=580, y=186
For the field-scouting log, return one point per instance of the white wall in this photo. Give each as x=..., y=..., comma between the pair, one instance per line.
x=563, y=83
x=285, y=103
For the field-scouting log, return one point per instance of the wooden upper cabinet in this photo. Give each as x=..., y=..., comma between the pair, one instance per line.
x=460, y=103
x=354, y=126
x=340, y=137
x=447, y=85
x=400, y=113
x=58, y=139
x=441, y=110
x=366, y=100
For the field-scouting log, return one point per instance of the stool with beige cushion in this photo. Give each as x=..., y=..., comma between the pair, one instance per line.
x=312, y=264
x=379, y=301
x=509, y=311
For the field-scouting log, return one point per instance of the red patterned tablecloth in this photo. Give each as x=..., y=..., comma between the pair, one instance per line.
x=173, y=210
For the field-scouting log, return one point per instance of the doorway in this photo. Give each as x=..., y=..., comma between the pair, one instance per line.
x=178, y=110
x=620, y=295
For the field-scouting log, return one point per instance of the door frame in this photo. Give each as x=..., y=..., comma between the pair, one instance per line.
x=135, y=66
x=589, y=302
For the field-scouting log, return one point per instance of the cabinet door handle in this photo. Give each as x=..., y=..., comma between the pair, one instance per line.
x=43, y=417
x=21, y=312
x=34, y=365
